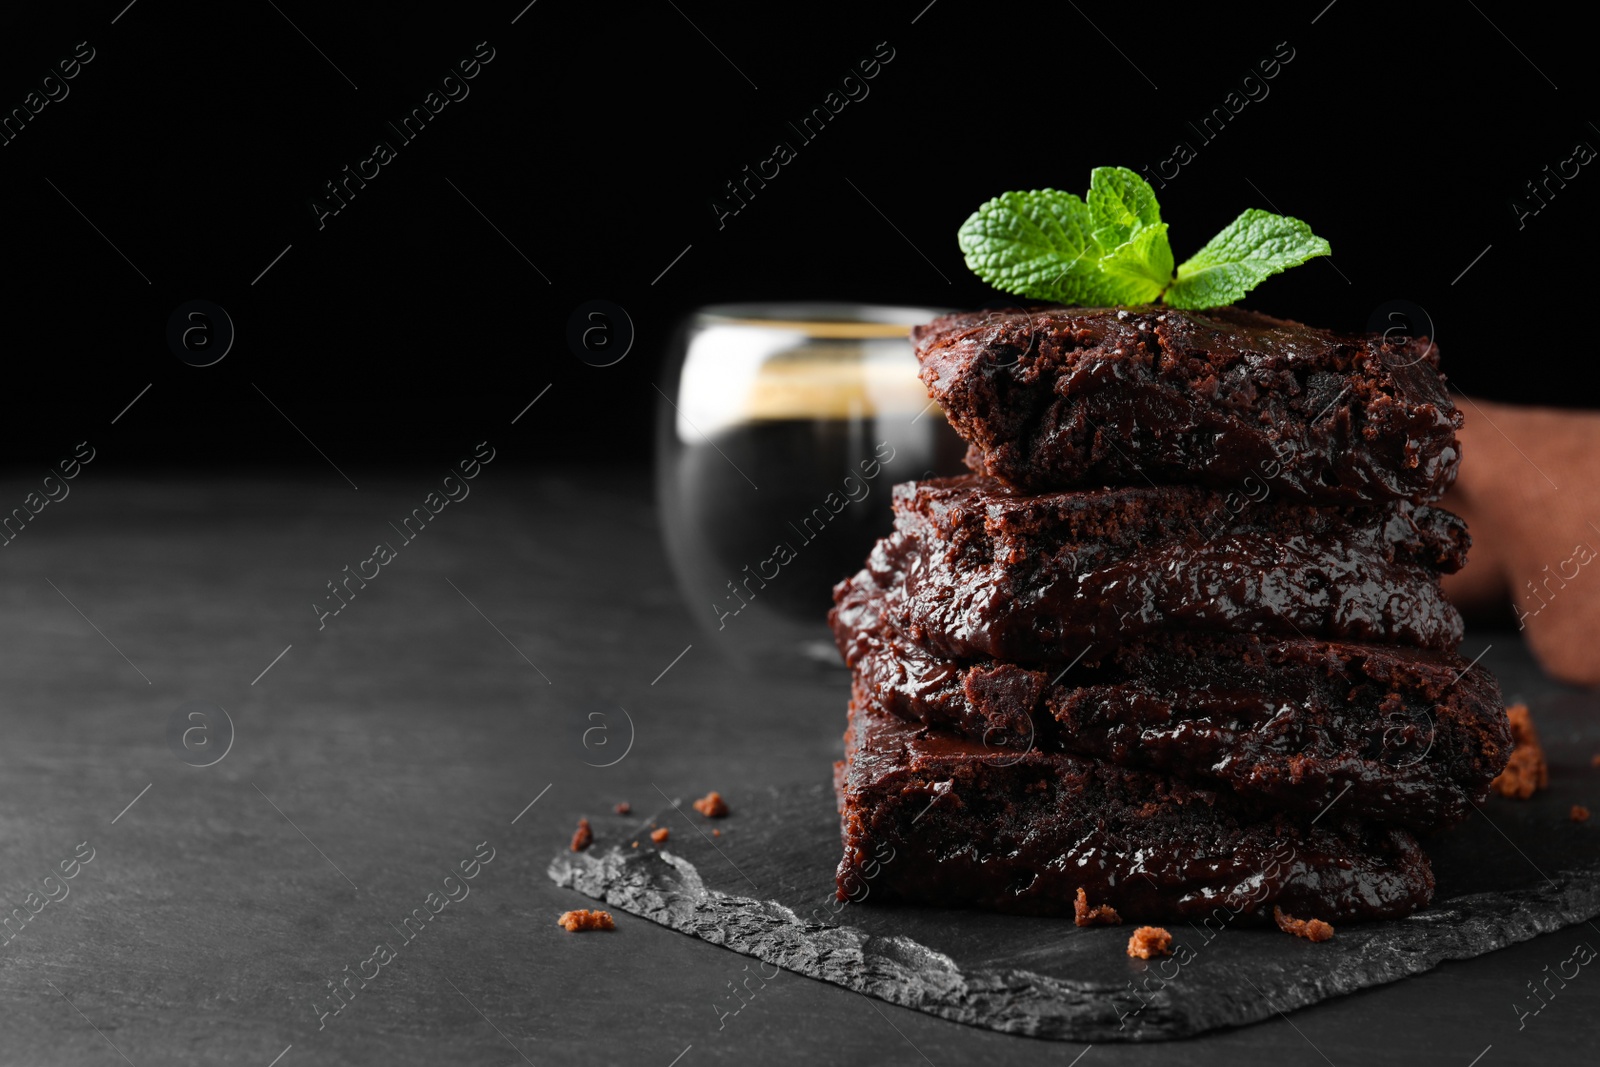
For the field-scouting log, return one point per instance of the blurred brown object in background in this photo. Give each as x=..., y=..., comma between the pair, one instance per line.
x=1529, y=489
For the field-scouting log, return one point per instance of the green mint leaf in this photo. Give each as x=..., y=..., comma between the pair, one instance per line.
x=1111, y=247
x=1127, y=221
x=1039, y=244
x=1251, y=249
x=1140, y=268
x=1120, y=201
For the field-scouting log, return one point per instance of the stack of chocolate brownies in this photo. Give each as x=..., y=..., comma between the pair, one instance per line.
x=1179, y=641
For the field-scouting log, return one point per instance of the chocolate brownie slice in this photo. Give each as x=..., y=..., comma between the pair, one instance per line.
x=1393, y=734
x=974, y=568
x=1065, y=397
x=931, y=819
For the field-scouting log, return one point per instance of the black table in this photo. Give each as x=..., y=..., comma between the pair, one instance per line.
x=373, y=756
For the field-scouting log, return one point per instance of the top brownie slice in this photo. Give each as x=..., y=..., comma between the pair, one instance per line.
x=1060, y=398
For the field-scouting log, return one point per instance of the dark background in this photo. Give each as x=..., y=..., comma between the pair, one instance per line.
x=596, y=139
x=377, y=749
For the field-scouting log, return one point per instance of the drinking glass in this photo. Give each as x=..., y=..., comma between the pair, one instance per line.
x=780, y=431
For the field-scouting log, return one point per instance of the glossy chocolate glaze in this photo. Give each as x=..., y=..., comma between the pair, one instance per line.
x=1082, y=397
x=932, y=819
x=975, y=569
x=1397, y=734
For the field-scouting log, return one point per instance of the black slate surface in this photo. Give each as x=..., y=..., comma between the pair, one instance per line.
x=764, y=888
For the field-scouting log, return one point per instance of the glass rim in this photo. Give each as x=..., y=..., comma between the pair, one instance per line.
x=781, y=314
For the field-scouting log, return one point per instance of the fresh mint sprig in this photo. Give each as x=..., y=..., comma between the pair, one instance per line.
x=1111, y=247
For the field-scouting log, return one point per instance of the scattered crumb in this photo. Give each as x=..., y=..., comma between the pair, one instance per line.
x=582, y=837
x=576, y=922
x=660, y=835
x=1579, y=813
x=1310, y=929
x=712, y=806
x=1148, y=942
x=715, y=832
x=1100, y=915
x=636, y=844
x=1526, y=773
x=623, y=807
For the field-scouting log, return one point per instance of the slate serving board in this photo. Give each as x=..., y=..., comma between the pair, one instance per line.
x=764, y=888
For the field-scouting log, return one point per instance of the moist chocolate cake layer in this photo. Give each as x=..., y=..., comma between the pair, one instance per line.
x=1056, y=398
x=932, y=819
x=1393, y=734
x=974, y=568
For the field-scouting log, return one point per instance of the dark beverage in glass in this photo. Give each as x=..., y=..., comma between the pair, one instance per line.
x=775, y=457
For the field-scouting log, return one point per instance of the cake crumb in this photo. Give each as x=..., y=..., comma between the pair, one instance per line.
x=1148, y=942
x=582, y=837
x=715, y=832
x=577, y=922
x=636, y=844
x=1310, y=929
x=623, y=807
x=712, y=806
x=1525, y=773
x=1579, y=813
x=1594, y=760
x=660, y=835
x=1099, y=915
